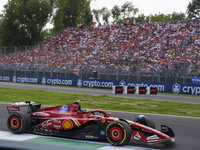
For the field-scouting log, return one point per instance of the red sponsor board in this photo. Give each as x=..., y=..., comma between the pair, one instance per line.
x=130, y=90
x=142, y=90
x=153, y=90
x=119, y=90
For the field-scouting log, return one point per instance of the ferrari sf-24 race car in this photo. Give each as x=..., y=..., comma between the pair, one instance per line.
x=72, y=122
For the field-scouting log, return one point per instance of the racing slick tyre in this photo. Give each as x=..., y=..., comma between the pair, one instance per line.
x=118, y=133
x=18, y=122
x=142, y=119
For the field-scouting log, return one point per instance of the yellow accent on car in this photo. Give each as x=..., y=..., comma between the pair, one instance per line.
x=124, y=137
x=77, y=122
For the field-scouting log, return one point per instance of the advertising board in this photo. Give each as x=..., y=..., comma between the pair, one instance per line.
x=176, y=88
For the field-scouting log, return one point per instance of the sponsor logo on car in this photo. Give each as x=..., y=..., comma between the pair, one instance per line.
x=46, y=124
x=89, y=136
x=56, y=121
x=64, y=108
x=164, y=129
x=102, y=133
x=103, y=120
x=57, y=126
x=153, y=137
x=137, y=136
x=40, y=114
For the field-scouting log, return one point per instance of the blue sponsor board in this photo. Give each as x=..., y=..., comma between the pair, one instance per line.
x=176, y=88
x=196, y=80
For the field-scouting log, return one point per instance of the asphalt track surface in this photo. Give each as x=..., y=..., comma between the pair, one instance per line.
x=186, y=129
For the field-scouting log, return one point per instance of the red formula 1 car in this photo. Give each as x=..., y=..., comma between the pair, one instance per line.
x=73, y=122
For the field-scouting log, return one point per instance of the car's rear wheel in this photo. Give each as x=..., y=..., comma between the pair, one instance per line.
x=144, y=120
x=118, y=133
x=18, y=122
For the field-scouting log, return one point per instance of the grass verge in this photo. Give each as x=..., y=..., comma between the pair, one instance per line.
x=101, y=102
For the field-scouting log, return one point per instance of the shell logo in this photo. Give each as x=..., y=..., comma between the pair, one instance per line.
x=67, y=124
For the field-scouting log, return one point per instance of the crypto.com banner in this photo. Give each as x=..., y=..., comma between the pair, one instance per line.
x=176, y=88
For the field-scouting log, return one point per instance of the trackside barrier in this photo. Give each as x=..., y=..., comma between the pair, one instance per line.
x=132, y=90
x=141, y=90
x=117, y=89
x=152, y=90
x=129, y=90
x=175, y=88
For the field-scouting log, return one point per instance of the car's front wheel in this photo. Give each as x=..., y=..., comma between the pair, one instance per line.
x=18, y=122
x=118, y=133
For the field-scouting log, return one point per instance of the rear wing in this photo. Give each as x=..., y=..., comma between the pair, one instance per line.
x=12, y=108
x=15, y=106
x=25, y=103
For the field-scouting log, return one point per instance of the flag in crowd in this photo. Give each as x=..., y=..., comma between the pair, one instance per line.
x=77, y=71
x=65, y=69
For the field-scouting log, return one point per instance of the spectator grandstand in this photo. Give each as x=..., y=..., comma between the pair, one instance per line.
x=141, y=49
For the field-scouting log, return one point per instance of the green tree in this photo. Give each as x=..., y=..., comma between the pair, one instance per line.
x=116, y=12
x=167, y=17
x=140, y=18
x=33, y=16
x=178, y=16
x=193, y=9
x=128, y=8
x=11, y=34
x=69, y=13
x=159, y=17
x=105, y=15
x=22, y=21
x=97, y=14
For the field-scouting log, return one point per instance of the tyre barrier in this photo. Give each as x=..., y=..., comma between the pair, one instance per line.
x=117, y=89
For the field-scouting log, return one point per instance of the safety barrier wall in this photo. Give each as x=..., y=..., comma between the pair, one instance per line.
x=176, y=88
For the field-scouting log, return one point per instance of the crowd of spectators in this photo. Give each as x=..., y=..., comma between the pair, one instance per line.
x=159, y=48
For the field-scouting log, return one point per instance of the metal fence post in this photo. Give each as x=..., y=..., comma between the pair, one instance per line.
x=82, y=60
x=15, y=60
x=99, y=53
x=160, y=61
x=4, y=61
x=184, y=74
x=138, y=61
x=52, y=60
x=25, y=60
x=66, y=63
x=119, y=46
